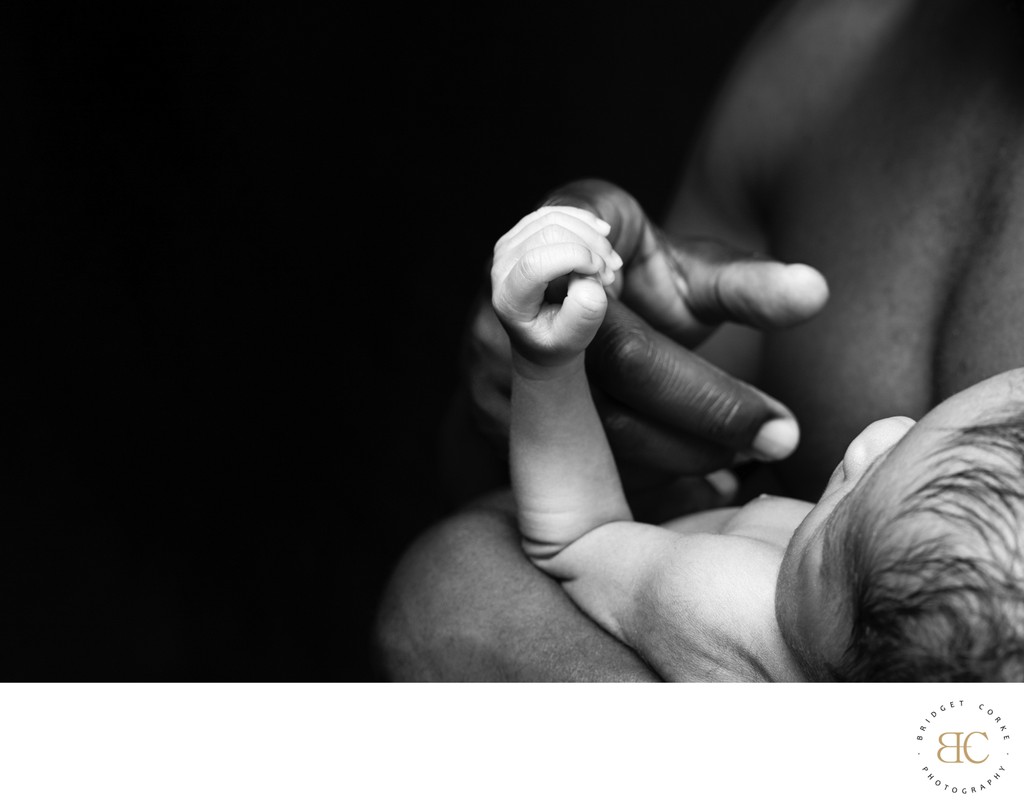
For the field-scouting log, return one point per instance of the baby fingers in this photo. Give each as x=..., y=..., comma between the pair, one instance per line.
x=581, y=215
x=556, y=226
x=519, y=295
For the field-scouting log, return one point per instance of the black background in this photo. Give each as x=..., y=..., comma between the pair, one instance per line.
x=243, y=240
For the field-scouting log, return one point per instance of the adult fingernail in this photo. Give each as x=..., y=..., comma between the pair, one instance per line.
x=776, y=440
x=725, y=483
x=603, y=227
x=615, y=261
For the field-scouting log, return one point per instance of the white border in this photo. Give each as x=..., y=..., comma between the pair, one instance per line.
x=477, y=745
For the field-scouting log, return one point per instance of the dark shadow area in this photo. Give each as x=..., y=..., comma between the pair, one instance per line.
x=244, y=241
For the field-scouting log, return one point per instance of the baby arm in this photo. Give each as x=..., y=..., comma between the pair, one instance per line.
x=549, y=279
x=661, y=593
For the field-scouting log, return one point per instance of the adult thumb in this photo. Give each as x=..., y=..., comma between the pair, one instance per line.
x=686, y=288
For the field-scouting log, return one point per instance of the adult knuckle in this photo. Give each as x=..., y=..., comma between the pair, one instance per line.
x=628, y=348
x=726, y=416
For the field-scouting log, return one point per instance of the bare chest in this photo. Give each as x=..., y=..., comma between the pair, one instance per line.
x=916, y=218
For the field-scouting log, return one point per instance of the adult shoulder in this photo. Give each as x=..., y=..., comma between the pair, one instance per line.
x=795, y=71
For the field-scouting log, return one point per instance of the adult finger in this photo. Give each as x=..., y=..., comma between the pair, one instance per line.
x=687, y=288
x=749, y=289
x=665, y=382
x=610, y=204
x=658, y=449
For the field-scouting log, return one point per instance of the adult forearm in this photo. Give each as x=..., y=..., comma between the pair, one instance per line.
x=465, y=604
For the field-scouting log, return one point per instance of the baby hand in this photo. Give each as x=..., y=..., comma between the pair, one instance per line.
x=549, y=322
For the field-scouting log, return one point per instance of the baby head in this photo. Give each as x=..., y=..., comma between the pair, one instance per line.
x=911, y=566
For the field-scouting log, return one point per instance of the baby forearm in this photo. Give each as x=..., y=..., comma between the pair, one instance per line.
x=563, y=473
x=548, y=279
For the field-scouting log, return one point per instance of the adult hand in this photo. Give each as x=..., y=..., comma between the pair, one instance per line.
x=667, y=412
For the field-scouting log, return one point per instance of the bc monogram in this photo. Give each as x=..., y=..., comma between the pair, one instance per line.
x=962, y=745
x=962, y=748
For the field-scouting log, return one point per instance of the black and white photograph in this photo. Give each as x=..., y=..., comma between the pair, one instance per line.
x=419, y=362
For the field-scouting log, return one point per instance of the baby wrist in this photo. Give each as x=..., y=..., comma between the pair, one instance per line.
x=528, y=368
